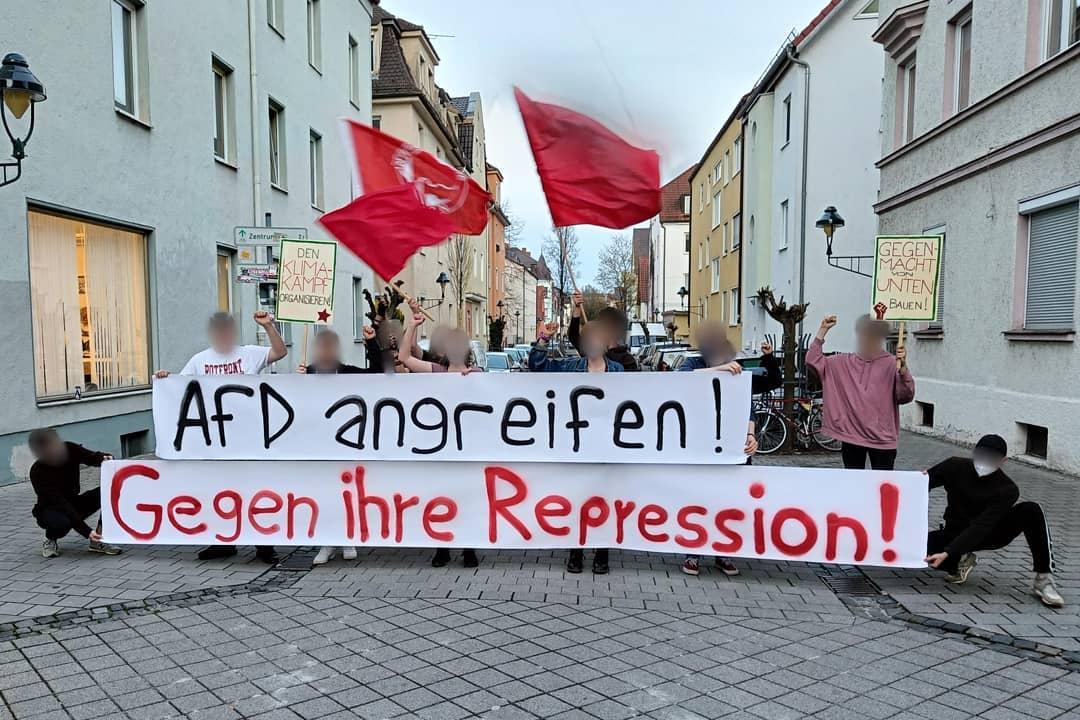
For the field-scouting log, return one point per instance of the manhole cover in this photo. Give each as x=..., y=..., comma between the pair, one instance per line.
x=850, y=584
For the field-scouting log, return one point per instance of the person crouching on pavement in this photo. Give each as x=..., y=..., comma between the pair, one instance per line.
x=862, y=393
x=595, y=340
x=61, y=507
x=718, y=355
x=983, y=514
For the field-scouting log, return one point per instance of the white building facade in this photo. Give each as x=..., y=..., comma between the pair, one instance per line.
x=167, y=125
x=669, y=238
x=981, y=144
x=816, y=112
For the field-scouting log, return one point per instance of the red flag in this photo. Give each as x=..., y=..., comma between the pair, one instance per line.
x=385, y=228
x=383, y=161
x=591, y=176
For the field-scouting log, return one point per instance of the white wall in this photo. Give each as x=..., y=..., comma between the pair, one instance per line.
x=671, y=263
x=757, y=248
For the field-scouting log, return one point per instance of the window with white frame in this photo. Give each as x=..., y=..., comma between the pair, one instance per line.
x=734, y=307
x=787, y=119
x=717, y=172
x=89, y=298
x=686, y=204
x=1051, y=267
x=724, y=238
x=716, y=209
x=736, y=231
x=129, y=59
x=907, y=99
x=276, y=122
x=275, y=15
x=961, y=28
x=727, y=166
x=700, y=255
x=224, y=112
x=314, y=33
x=1062, y=25
x=738, y=155
x=714, y=271
x=315, y=163
x=354, y=71
x=224, y=279
x=783, y=226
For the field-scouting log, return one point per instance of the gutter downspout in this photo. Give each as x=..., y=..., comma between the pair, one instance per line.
x=805, y=153
x=253, y=85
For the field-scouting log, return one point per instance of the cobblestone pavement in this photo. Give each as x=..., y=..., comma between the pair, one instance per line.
x=388, y=636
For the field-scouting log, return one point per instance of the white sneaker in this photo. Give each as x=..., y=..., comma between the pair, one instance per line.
x=1044, y=589
x=963, y=569
x=49, y=548
x=325, y=553
x=348, y=553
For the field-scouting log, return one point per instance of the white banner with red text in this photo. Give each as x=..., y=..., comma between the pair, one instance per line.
x=862, y=517
x=698, y=417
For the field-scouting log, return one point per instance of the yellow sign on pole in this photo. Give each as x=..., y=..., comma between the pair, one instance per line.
x=907, y=273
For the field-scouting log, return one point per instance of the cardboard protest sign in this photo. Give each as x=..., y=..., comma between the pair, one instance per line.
x=906, y=274
x=542, y=417
x=813, y=515
x=306, y=281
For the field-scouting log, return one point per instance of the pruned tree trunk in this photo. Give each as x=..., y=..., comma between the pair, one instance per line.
x=789, y=318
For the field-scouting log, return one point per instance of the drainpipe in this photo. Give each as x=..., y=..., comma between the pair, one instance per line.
x=805, y=151
x=253, y=81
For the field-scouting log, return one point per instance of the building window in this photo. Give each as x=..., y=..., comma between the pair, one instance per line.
x=376, y=121
x=129, y=59
x=716, y=210
x=224, y=280
x=686, y=204
x=89, y=301
x=275, y=15
x=715, y=272
x=315, y=163
x=1051, y=268
x=870, y=10
x=1036, y=440
x=717, y=172
x=687, y=242
x=734, y=308
x=736, y=231
x=701, y=197
x=787, y=119
x=1062, y=25
x=700, y=255
x=277, y=146
x=314, y=34
x=224, y=113
x=962, y=42
x=738, y=155
x=907, y=99
x=354, y=71
x=926, y=414
x=783, y=225
x=727, y=166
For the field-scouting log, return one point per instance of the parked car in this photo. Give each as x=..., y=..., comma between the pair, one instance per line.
x=664, y=359
x=479, y=354
x=518, y=356
x=648, y=357
x=500, y=362
x=679, y=358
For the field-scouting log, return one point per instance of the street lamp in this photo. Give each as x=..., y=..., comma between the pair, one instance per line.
x=517, y=325
x=443, y=280
x=19, y=90
x=829, y=221
x=682, y=292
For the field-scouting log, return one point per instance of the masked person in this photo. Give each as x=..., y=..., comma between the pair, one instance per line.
x=226, y=356
x=61, y=507
x=982, y=513
x=862, y=393
x=615, y=324
x=718, y=355
x=594, y=343
x=458, y=353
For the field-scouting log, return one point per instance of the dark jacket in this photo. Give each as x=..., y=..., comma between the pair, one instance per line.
x=975, y=504
x=540, y=362
x=57, y=486
x=772, y=379
x=374, y=358
x=620, y=353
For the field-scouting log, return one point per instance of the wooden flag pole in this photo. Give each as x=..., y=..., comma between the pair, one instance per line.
x=409, y=299
x=573, y=282
x=901, y=332
x=303, y=350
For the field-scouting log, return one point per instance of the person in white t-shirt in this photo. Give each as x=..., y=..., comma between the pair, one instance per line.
x=226, y=356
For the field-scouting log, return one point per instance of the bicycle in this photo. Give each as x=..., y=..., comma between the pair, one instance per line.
x=771, y=424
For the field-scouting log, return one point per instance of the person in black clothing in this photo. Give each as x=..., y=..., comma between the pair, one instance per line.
x=983, y=514
x=717, y=353
x=326, y=355
x=61, y=507
x=614, y=320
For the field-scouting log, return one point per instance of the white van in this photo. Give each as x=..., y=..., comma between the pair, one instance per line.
x=637, y=339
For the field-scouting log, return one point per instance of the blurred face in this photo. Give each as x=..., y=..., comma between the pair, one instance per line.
x=439, y=337
x=456, y=347
x=223, y=337
x=595, y=340
x=327, y=351
x=986, y=462
x=868, y=339
x=715, y=347
x=52, y=451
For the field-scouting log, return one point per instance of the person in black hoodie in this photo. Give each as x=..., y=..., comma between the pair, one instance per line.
x=61, y=507
x=615, y=321
x=983, y=514
x=326, y=355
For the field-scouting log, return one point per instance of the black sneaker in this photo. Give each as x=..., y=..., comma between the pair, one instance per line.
x=469, y=559
x=600, y=563
x=217, y=552
x=440, y=558
x=266, y=554
x=575, y=562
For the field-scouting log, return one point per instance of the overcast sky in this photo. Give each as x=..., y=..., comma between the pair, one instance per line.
x=662, y=74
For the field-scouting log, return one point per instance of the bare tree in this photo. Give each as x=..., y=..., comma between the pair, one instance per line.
x=789, y=317
x=459, y=261
x=616, y=273
x=562, y=245
x=515, y=231
x=593, y=300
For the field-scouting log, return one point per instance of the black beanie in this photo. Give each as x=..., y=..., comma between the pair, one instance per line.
x=993, y=443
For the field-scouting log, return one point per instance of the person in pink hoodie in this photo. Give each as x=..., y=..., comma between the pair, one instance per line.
x=863, y=392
